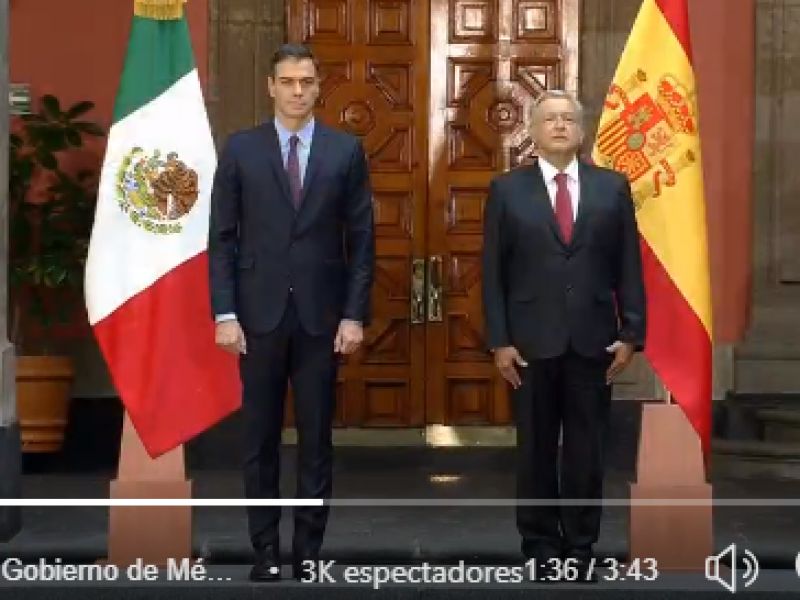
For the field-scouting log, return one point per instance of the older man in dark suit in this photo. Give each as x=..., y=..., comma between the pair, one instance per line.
x=564, y=305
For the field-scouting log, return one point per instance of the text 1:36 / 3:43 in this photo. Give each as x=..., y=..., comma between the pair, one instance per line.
x=606, y=569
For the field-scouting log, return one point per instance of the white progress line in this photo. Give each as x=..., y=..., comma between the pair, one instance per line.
x=391, y=502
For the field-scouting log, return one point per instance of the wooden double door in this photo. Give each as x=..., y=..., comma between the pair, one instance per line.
x=438, y=90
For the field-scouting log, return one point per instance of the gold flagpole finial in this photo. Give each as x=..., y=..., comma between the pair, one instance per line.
x=162, y=10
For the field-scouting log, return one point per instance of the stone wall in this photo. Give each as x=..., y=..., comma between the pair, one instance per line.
x=769, y=359
x=242, y=35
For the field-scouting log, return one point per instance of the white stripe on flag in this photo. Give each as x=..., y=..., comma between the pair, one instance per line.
x=124, y=259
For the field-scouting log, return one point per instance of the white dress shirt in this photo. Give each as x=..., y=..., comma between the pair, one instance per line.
x=549, y=173
x=306, y=135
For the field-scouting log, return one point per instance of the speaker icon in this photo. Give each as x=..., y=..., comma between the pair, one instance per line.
x=714, y=569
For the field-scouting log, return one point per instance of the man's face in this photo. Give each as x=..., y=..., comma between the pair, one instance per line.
x=556, y=126
x=295, y=87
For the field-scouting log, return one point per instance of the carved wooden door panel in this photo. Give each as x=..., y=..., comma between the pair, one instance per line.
x=438, y=90
x=374, y=56
x=489, y=60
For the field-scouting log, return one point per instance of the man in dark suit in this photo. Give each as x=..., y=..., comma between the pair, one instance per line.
x=291, y=251
x=564, y=309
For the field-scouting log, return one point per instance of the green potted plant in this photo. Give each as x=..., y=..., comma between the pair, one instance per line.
x=51, y=212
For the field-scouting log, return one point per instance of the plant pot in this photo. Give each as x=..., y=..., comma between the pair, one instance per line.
x=44, y=386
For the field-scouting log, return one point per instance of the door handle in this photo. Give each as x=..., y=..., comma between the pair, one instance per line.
x=417, y=291
x=435, y=289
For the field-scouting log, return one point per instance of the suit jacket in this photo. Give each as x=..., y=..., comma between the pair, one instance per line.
x=543, y=295
x=261, y=249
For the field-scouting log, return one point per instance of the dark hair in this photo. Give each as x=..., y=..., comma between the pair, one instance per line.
x=292, y=51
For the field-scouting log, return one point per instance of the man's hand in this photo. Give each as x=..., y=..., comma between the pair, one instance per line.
x=507, y=359
x=230, y=337
x=623, y=354
x=349, y=337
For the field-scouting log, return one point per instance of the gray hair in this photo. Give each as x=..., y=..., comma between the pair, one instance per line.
x=557, y=95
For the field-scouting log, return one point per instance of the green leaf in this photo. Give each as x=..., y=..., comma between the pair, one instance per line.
x=33, y=118
x=74, y=138
x=54, y=276
x=51, y=106
x=88, y=128
x=76, y=110
x=53, y=138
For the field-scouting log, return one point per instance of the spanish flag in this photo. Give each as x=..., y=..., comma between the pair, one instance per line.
x=649, y=131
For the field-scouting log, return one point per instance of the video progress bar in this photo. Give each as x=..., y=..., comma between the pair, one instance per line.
x=395, y=502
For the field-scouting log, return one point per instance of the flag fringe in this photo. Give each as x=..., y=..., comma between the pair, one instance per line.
x=162, y=10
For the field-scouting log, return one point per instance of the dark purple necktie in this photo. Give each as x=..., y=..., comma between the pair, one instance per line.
x=293, y=170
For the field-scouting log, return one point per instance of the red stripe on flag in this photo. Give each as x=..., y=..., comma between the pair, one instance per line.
x=678, y=346
x=676, y=12
x=174, y=381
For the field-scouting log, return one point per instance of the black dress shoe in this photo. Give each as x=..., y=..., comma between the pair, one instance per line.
x=267, y=567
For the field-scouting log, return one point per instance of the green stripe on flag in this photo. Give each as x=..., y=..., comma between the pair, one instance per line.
x=159, y=54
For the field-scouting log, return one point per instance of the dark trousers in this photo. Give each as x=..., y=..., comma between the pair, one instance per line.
x=288, y=354
x=570, y=393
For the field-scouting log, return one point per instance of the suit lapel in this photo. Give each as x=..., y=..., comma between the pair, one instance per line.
x=585, y=204
x=316, y=157
x=275, y=159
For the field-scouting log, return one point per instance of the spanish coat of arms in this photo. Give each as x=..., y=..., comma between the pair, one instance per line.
x=650, y=136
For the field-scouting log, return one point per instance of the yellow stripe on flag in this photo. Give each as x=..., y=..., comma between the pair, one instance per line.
x=653, y=99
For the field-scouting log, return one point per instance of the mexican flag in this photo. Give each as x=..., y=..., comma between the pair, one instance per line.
x=146, y=274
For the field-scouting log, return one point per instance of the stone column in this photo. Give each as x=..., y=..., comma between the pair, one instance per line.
x=10, y=446
x=723, y=42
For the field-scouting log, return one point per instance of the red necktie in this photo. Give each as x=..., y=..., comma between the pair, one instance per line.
x=564, y=214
